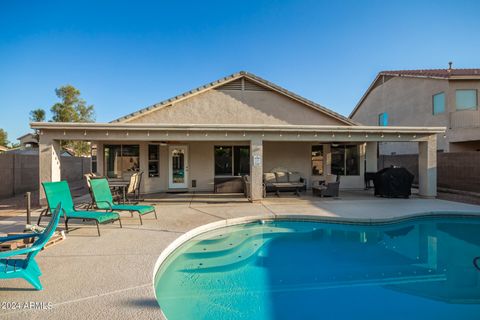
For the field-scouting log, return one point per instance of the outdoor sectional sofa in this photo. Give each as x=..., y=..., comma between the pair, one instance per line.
x=278, y=181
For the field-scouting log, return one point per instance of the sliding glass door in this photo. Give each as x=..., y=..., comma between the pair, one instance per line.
x=121, y=161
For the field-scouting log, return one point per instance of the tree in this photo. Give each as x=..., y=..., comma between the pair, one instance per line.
x=3, y=138
x=37, y=115
x=72, y=108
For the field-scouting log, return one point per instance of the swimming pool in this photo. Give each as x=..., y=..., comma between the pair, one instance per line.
x=422, y=267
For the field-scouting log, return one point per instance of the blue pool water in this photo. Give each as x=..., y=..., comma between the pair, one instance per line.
x=422, y=268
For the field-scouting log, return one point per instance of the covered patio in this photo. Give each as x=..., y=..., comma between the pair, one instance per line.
x=185, y=159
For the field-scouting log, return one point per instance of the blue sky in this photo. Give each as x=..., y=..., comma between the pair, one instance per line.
x=127, y=55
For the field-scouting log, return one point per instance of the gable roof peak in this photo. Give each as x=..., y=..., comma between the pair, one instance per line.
x=234, y=76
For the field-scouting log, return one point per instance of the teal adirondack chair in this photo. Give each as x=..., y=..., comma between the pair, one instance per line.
x=103, y=199
x=59, y=192
x=27, y=268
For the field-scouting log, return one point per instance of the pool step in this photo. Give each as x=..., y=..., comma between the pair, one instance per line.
x=231, y=243
x=228, y=255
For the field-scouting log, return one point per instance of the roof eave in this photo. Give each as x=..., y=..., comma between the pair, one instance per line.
x=228, y=127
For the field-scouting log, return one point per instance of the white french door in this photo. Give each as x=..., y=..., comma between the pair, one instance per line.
x=177, y=167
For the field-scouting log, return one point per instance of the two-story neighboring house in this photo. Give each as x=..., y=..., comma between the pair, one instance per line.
x=435, y=97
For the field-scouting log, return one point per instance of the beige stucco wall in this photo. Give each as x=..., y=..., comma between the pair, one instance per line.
x=237, y=107
x=408, y=102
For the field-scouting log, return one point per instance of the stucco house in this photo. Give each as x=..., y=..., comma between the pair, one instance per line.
x=28, y=140
x=238, y=125
x=436, y=97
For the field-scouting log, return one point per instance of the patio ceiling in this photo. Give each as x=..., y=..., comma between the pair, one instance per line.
x=184, y=132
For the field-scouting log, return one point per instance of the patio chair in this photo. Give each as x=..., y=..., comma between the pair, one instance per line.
x=26, y=267
x=88, y=177
x=59, y=192
x=330, y=188
x=104, y=200
x=133, y=188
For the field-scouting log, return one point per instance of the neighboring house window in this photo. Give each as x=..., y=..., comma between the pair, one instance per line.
x=345, y=160
x=121, y=160
x=438, y=103
x=383, y=119
x=153, y=160
x=317, y=160
x=466, y=99
x=232, y=160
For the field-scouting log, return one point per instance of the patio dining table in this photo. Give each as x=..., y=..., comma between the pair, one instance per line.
x=119, y=184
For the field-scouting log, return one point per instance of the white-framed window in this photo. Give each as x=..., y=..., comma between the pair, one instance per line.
x=153, y=160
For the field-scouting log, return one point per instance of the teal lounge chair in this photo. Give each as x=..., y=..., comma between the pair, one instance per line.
x=103, y=199
x=59, y=192
x=26, y=267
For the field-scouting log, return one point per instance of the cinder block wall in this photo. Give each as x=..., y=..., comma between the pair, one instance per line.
x=459, y=171
x=19, y=172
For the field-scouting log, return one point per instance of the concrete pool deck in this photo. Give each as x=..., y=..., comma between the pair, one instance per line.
x=110, y=276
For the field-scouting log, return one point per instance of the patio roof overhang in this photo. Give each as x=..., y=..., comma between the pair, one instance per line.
x=183, y=132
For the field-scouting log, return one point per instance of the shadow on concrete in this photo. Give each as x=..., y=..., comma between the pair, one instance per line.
x=149, y=303
x=17, y=289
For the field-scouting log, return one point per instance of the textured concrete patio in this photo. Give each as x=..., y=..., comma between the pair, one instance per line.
x=110, y=277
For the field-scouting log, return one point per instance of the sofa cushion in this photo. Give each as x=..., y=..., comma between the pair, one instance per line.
x=269, y=177
x=294, y=177
x=281, y=176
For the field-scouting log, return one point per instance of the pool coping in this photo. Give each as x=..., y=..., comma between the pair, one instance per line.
x=169, y=250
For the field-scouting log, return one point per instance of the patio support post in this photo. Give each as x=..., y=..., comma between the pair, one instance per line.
x=371, y=156
x=49, y=163
x=427, y=167
x=256, y=169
